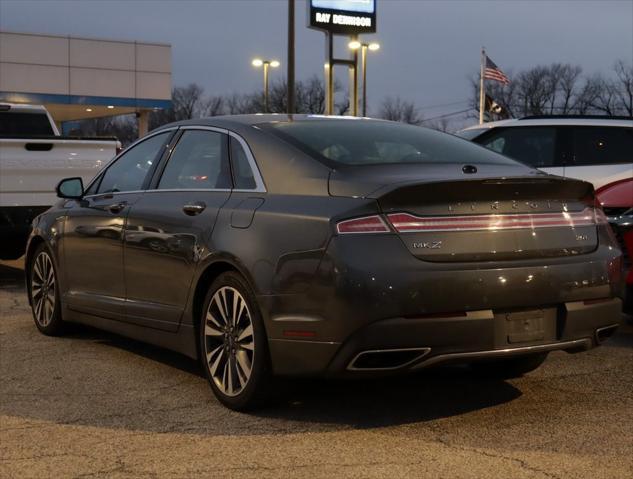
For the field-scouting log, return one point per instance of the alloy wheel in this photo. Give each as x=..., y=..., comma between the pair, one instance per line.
x=229, y=341
x=43, y=289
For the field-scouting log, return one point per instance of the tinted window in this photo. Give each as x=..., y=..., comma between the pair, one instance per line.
x=128, y=172
x=25, y=124
x=359, y=142
x=200, y=160
x=600, y=145
x=242, y=172
x=533, y=146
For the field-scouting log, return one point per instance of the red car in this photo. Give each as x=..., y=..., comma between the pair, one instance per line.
x=617, y=201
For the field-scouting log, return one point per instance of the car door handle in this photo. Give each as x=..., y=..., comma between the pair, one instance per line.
x=193, y=209
x=117, y=207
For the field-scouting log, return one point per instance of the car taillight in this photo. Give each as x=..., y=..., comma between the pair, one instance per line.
x=366, y=224
x=408, y=223
x=601, y=218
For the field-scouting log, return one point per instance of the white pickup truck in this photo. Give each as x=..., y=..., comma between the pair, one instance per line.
x=33, y=159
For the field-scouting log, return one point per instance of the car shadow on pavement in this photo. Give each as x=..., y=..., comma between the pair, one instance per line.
x=383, y=402
x=148, y=351
x=359, y=403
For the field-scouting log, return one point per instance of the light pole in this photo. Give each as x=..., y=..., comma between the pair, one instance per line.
x=258, y=62
x=355, y=45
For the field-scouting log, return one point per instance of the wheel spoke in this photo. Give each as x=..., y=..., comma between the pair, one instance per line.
x=214, y=367
x=38, y=307
x=37, y=268
x=218, y=302
x=237, y=301
x=36, y=290
x=247, y=332
x=49, y=276
x=209, y=330
x=244, y=362
x=45, y=312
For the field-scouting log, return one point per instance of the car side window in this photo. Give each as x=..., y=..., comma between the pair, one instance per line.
x=199, y=161
x=128, y=172
x=242, y=173
x=602, y=145
x=534, y=146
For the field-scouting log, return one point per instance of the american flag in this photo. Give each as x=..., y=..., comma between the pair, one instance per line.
x=493, y=72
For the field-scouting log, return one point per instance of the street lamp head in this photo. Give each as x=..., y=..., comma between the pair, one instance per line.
x=274, y=63
x=374, y=46
x=257, y=62
x=354, y=45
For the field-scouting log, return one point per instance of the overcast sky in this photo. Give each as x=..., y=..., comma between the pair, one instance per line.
x=428, y=48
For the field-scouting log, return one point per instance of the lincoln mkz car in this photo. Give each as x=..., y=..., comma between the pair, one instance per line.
x=270, y=245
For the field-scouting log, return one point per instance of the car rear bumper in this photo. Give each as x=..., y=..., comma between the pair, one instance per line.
x=403, y=344
x=373, y=296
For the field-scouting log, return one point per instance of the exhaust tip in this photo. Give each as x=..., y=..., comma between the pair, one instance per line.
x=386, y=359
x=602, y=334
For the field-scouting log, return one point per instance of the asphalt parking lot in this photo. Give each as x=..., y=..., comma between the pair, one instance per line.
x=93, y=404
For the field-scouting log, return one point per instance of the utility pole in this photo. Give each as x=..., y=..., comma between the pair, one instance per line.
x=291, y=57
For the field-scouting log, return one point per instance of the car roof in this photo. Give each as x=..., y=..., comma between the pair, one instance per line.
x=555, y=121
x=232, y=121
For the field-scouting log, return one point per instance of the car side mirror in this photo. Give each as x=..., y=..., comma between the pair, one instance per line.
x=71, y=188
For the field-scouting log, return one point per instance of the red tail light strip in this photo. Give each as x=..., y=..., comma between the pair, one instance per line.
x=407, y=223
x=367, y=224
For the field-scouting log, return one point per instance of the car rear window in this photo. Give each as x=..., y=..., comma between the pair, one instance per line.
x=25, y=124
x=360, y=142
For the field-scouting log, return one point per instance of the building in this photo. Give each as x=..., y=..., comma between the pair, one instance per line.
x=78, y=78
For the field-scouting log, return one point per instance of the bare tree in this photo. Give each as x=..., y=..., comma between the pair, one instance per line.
x=623, y=86
x=212, y=106
x=561, y=89
x=123, y=127
x=396, y=109
x=441, y=124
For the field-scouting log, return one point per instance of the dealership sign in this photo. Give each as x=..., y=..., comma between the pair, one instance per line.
x=346, y=17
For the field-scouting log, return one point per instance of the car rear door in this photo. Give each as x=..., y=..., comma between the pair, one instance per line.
x=168, y=228
x=92, y=239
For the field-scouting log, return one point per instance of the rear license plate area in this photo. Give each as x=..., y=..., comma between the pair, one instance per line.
x=527, y=326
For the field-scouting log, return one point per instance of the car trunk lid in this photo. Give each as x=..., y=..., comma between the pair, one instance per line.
x=488, y=217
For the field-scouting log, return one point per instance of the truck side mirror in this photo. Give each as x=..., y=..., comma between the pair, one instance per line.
x=71, y=188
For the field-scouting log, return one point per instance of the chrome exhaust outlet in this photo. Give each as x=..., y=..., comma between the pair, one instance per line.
x=602, y=334
x=386, y=359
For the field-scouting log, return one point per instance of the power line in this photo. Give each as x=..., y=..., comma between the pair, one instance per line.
x=430, y=107
x=447, y=115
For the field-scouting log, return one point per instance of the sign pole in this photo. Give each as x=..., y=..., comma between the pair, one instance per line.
x=354, y=80
x=291, y=57
x=329, y=73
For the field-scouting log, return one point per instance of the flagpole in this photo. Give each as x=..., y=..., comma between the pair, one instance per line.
x=482, y=94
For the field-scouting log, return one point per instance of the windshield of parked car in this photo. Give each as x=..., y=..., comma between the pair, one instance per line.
x=361, y=142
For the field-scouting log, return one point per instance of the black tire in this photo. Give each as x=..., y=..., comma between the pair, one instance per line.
x=224, y=356
x=44, y=293
x=511, y=367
